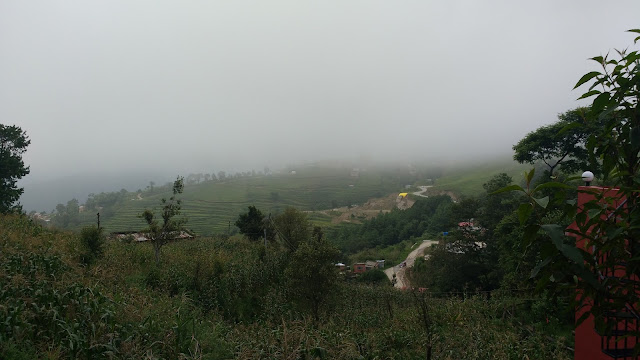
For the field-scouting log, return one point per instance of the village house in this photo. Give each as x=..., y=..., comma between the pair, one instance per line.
x=362, y=267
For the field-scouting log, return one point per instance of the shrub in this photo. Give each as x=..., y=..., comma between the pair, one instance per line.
x=92, y=241
x=375, y=276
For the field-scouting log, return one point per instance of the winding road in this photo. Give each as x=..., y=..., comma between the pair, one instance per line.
x=423, y=189
x=401, y=281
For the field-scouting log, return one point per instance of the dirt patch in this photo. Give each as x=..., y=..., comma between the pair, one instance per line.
x=372, y=208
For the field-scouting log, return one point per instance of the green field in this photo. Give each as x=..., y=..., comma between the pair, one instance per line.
x=211, y=206
x=468, y=180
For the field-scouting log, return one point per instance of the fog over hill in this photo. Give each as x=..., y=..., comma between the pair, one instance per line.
x=172, y=87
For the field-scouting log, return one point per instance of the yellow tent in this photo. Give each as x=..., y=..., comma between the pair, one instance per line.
x=402, y=195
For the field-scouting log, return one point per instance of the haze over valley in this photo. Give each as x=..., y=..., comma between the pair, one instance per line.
x=285, y=179
x=119, y=93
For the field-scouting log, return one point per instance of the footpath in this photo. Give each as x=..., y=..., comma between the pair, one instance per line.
x=399, y=270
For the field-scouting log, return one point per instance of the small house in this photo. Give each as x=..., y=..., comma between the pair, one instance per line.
x=359, y=268
x=370, y=265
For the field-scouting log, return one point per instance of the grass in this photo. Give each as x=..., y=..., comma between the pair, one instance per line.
x=468, y=180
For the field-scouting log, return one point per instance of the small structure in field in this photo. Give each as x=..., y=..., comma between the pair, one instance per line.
x=139, y=236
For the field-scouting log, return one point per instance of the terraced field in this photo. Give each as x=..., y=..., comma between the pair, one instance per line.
x=213, y=207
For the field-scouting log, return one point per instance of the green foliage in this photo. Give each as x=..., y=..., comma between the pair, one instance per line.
x=67, y=216
x=92, y=240
x=292, y=227
x=221, y=298
x=13, y=144
x=478, y=256
x=36, y=308
x=253, y=225
x=559, y=144
x=608, y=223
x=374, y=277
x=426, y=217
x=393, y=254
x=454, y=270
x=311, y=274
x=161, y=232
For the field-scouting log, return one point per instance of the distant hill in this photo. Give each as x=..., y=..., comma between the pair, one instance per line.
x=212, y=207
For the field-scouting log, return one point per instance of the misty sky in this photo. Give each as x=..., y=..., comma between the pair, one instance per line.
x=200, y=86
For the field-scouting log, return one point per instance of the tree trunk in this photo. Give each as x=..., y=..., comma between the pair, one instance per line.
x=156, y=250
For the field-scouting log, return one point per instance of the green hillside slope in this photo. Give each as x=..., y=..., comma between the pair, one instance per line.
x=211, y=206
x=467, y=180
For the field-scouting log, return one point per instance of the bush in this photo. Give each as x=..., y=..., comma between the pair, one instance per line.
x=375, y=276
x=92, y=242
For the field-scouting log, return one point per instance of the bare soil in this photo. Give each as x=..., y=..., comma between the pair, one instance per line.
x=358, y=213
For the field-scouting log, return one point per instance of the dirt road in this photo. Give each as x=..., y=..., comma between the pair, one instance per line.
x=401, y=280
x=423, y=189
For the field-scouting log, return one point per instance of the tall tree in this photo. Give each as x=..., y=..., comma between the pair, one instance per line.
x=293, y=227
x=311, y=274
x=13, y=143
x=558, y=144
x=605, y=272
x=161, y=232
x=253, y=225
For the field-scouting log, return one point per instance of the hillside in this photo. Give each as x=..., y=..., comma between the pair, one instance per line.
x=212, y=206
x=467, y=180
x=330, y=195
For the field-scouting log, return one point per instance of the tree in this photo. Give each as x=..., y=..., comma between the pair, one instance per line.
x=311, y=274
x=92, y=241
x=253, y=225
x=161, y=232
x=374, y=277
x=609, y=223
x=69, y=215
x=293, y=227
x=13, y=143
x=557, y=144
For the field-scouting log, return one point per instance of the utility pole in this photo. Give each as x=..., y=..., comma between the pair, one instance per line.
x=98, y=215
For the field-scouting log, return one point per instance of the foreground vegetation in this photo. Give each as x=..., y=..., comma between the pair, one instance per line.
x=218, y=298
